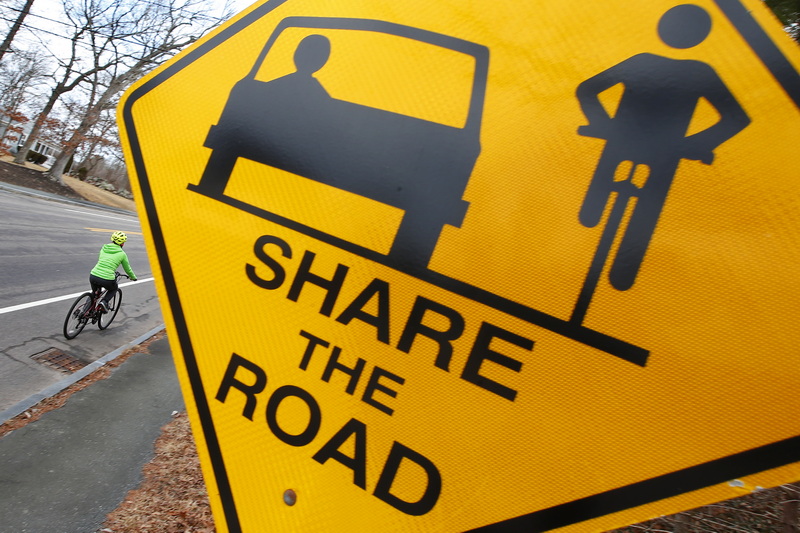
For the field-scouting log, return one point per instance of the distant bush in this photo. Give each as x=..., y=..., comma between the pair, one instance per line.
x=35, y=157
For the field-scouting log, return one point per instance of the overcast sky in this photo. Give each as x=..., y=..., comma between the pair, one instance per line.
x=42, y=24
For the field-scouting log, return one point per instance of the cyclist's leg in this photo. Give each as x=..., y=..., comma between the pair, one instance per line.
x=601, y=185
x=641, y=226
x=110, y=294
x=109, y=285
x=94, y=283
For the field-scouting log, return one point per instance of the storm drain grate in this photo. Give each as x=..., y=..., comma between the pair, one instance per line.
x=58, y=360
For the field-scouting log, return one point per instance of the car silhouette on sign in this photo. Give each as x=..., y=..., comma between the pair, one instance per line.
x=293, y=123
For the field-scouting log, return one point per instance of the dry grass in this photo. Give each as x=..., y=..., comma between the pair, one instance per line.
x=99, y=196
x=765, y=511
x=32, y=177
x=172, y=498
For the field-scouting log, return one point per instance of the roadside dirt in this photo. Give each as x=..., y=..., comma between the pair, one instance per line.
x=99, y=196
x=32, y=177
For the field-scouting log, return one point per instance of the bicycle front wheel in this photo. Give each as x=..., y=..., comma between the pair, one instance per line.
x=113, y=308
x=78, y=315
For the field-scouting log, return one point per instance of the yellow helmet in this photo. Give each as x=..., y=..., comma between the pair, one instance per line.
x=118, y=237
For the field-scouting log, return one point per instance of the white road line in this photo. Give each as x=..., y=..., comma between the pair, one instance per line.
x=20, y=307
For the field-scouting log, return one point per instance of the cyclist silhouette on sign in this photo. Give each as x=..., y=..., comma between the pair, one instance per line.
x=649, y=131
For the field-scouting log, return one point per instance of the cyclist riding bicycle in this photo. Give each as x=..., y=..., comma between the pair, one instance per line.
x=111, y=256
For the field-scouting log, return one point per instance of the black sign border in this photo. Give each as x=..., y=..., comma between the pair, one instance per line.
x=668, y=485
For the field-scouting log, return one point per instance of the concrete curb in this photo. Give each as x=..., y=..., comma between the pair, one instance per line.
x=52, y=390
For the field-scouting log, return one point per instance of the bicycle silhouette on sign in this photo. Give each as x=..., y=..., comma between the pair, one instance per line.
x=293, y=124
x=648, y=131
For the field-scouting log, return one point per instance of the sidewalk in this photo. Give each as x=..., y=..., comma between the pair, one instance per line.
x=66, y=471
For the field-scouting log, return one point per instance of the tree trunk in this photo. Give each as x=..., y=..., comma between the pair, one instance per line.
x=90, y=118
x=15, y=28
x=37, y=125
x=56, y=172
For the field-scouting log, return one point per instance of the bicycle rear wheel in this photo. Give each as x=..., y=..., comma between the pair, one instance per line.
x=78, y=315
x=113, y=308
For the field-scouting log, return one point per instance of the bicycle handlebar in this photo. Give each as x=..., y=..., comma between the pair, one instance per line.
x=691, y=153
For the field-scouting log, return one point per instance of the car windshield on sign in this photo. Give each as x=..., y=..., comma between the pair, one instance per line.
x=383, y=71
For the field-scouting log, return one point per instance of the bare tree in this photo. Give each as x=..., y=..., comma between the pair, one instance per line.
x=95, y=24
x=12, y=32
x=17, y=78
x=126, y=41
x=101, y=141
x=153, y=33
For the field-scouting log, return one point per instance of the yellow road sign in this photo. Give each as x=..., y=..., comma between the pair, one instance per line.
x=444, y=266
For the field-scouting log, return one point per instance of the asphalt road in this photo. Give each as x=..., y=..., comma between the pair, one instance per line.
x=46, y=252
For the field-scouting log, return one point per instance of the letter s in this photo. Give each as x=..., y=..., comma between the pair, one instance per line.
x=279, y=274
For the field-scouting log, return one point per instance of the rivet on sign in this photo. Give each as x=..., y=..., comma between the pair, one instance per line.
x=289, y=497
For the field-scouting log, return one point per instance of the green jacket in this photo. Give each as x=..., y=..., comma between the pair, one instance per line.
x=111, y=256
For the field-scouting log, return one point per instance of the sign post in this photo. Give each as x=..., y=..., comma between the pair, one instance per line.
x=494, y=266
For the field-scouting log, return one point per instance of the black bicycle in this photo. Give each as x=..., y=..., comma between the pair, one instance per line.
x=87, y=309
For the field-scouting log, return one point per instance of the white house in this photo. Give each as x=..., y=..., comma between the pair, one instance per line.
x=13, y=140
